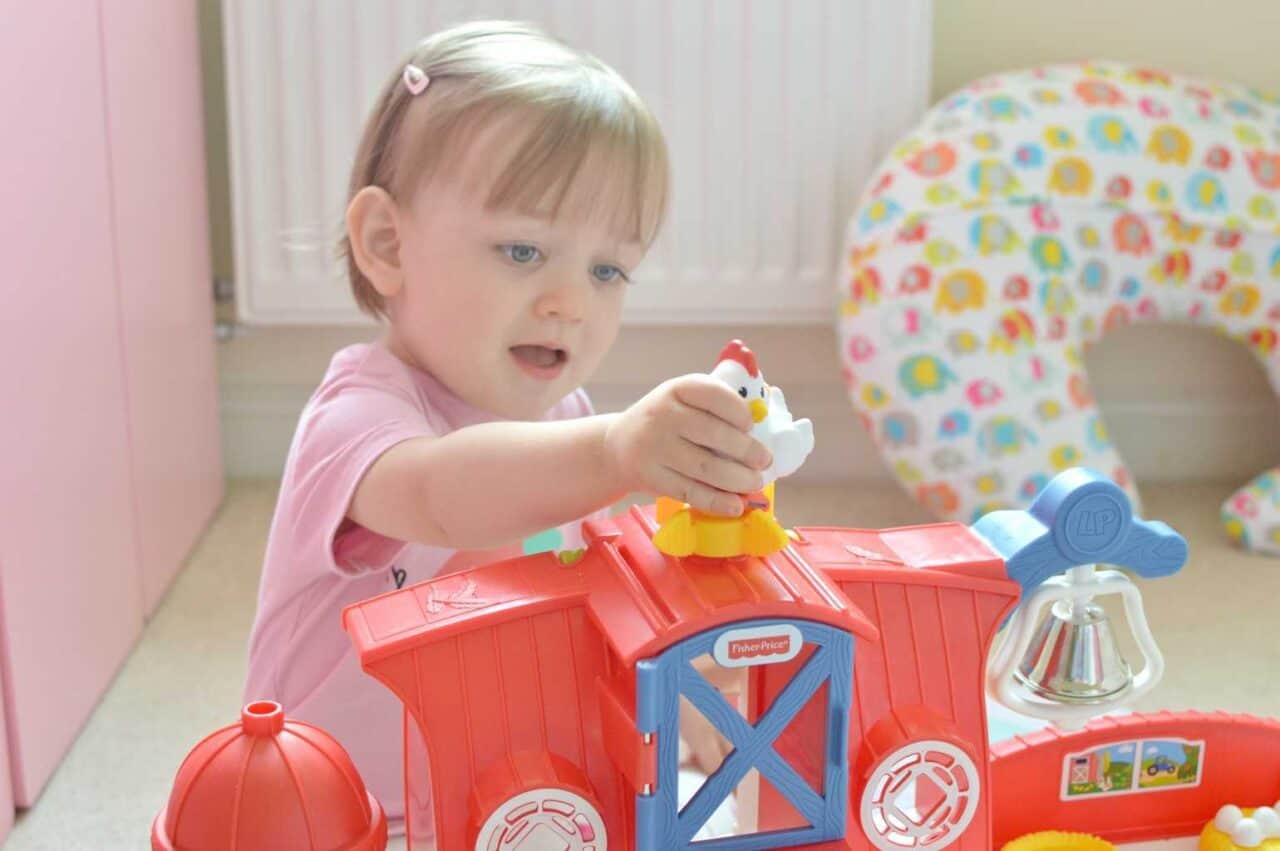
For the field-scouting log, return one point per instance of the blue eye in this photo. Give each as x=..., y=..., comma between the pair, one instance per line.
x=520, y=252
x=605, y=273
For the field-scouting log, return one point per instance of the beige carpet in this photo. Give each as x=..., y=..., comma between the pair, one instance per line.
x=1215, y=621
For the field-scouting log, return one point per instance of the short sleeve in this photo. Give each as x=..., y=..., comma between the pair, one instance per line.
x=339, y=438
x=580, y=404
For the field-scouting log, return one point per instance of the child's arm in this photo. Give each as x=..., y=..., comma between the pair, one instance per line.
x=492, y=483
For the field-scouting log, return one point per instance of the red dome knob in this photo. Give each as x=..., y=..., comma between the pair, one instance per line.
x=269, y=784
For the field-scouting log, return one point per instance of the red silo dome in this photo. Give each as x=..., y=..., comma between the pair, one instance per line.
x=269, y=784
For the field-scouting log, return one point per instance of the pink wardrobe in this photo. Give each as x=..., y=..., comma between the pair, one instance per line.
x=109, y=460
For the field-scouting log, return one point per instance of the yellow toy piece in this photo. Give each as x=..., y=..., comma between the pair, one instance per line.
x=1213, y=839
x=1057, y=840
x=684, y=531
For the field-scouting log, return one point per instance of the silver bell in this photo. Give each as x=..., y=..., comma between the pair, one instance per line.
x=1066, y=668
x=1073, y=657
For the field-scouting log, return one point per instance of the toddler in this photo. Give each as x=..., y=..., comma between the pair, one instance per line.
x=505, y=190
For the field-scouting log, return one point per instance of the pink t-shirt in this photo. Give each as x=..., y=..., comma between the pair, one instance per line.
x=317, y=561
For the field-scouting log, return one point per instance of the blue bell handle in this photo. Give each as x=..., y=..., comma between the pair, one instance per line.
x=1081, y=517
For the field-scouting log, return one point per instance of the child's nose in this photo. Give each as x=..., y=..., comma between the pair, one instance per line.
x=564, y=303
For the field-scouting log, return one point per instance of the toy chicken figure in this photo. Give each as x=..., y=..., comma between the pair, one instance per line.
x=686, y=531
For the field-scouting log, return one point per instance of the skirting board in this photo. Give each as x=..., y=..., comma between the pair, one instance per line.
x=1192, y=439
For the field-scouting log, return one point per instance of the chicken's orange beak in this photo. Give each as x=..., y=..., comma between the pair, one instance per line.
x=759, y=410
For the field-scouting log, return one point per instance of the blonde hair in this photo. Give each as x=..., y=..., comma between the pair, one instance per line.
x=572, y=109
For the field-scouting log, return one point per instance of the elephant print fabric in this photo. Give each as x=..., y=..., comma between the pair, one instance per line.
x=1030, y=214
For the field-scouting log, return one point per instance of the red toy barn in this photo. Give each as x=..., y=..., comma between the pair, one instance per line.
x=549, y=691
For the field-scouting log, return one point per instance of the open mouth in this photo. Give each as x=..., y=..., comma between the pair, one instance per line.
x=542, y=361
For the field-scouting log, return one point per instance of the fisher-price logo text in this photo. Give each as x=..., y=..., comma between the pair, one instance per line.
x=758, y=645
x=751, y=648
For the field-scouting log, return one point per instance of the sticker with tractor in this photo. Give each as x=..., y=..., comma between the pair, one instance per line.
x=1110, y=769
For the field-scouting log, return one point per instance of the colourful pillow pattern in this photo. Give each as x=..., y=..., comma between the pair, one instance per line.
x=1026, y=217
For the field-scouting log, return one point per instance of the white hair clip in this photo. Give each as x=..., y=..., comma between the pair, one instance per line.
x=415, y=79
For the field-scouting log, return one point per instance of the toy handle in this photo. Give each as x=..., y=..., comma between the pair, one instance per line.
x=1153, y=668
x=1080, y=517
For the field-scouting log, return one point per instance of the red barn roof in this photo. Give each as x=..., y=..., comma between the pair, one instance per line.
x=641, y=600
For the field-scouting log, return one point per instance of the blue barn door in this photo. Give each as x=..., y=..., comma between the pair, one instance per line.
x=803, y=796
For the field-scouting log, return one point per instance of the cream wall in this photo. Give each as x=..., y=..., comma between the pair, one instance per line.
x=1231, y=39
x=1180, y=403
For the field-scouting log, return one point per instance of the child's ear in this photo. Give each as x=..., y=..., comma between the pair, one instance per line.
x=373, y=227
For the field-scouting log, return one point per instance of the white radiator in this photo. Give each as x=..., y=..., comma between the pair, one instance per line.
x=776, y=113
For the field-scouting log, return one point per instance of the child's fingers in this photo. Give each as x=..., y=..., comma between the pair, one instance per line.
x=703, y=750
x=705, y=466
x=714, y=396
x=702, y=497
x=717, y=435
x=704, y=742
x=707, y=752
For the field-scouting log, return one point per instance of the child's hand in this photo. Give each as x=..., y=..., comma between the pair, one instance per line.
x=707, y=747
x=689, y=439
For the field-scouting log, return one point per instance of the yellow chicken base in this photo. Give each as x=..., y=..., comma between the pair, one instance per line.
x=684, y=531
x=1056, y=840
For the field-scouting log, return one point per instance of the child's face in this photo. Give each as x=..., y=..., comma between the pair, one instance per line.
x=511, y=312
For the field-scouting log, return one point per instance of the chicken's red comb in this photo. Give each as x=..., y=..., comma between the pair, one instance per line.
x=736, y=351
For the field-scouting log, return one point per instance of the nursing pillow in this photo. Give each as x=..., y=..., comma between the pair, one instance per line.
x=1030, y=214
